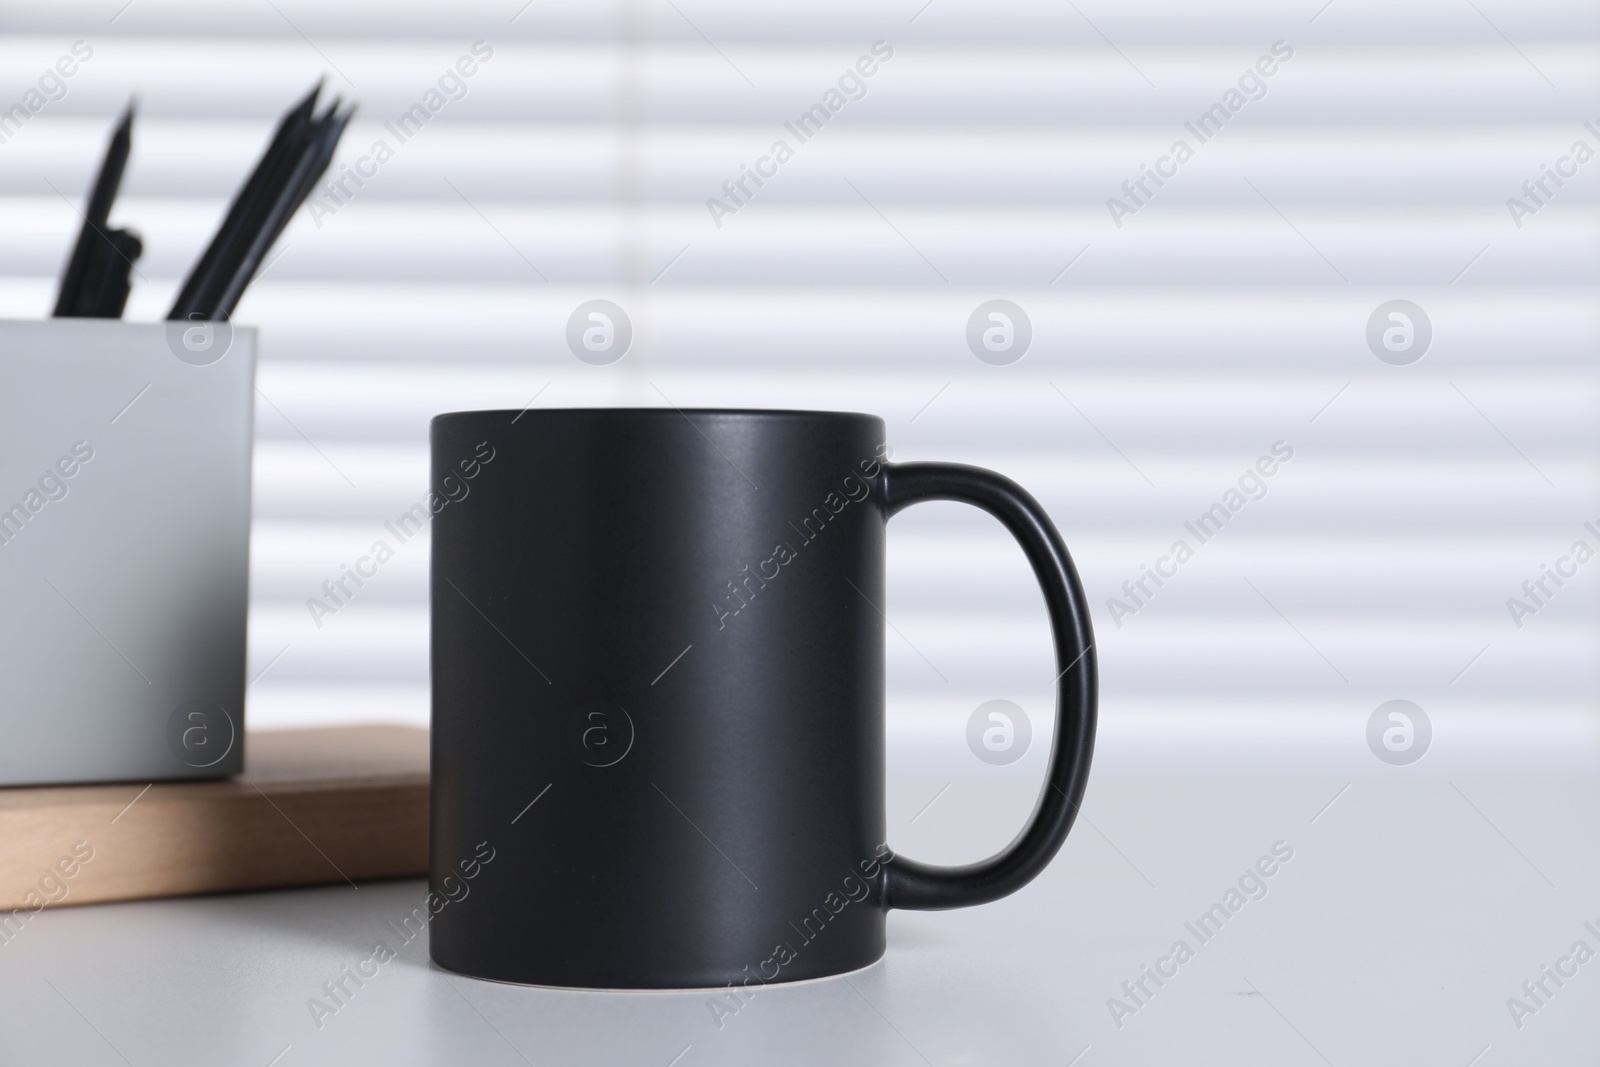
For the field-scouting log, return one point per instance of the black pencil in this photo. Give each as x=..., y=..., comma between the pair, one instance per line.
x=245, y=227
x=193, y=296
x=272, y=221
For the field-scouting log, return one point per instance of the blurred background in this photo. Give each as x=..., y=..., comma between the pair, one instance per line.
x=1168, y=335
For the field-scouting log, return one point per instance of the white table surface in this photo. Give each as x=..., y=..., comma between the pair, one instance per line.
x=1414, y=906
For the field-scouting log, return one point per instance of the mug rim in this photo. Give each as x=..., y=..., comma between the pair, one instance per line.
x=641, y=412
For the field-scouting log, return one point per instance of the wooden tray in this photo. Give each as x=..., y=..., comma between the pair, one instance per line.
x=312, y=807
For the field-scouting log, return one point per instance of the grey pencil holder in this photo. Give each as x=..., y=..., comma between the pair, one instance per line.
x=124, y=549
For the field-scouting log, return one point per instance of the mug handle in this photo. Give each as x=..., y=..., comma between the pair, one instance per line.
x=920, y=886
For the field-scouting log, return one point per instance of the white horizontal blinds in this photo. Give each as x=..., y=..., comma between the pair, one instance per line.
x=1226, y=313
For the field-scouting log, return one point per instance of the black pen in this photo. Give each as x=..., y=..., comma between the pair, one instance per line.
x=75, y=298
x=113, y=261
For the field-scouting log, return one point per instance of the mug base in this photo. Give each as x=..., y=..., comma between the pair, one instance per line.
x=646, y=985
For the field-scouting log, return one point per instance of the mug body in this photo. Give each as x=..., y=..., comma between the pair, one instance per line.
x=657, y=669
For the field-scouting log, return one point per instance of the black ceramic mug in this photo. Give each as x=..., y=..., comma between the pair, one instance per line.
x=658, y=695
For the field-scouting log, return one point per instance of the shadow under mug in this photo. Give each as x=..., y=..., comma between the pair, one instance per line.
x=658, y=695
